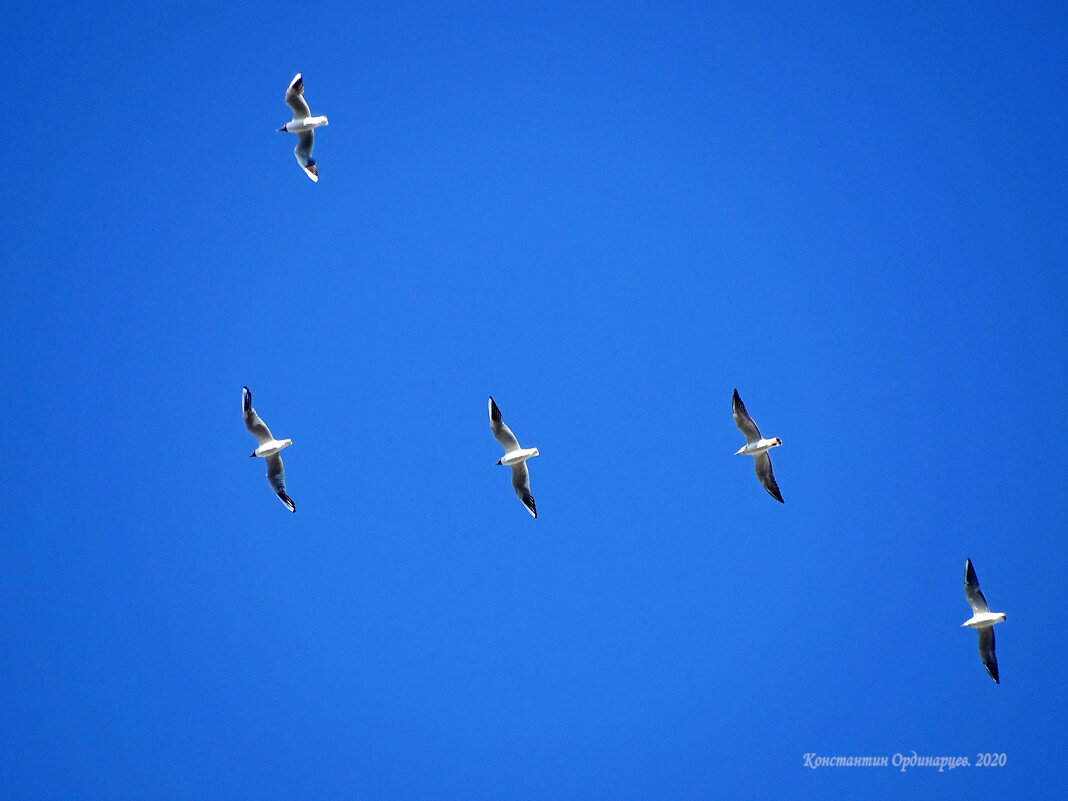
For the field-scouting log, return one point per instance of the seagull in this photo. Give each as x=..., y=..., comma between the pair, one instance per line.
x=303, y=125
x=757, y=447
x=269, y=448
x=982, y=620
x=514, y=457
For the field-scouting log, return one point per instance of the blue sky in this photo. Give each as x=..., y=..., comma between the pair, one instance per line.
x=608, y=216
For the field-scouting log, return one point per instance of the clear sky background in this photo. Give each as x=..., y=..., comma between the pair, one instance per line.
x=608, y=216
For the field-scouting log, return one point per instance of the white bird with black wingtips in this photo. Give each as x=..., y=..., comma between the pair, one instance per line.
x=269, y=448
x=982, y=620
x=757, y=447
x=514, y=457
x=303, y=125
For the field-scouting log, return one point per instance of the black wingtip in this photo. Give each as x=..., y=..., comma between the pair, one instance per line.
x=527, y=500
x=994, y=672
x=287, y=501
x=772, y=489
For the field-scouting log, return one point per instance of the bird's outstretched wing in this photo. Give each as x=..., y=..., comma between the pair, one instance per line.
x=744, y=421
x=762, y=465
x=303, y=152
x=976, y=599
x=501, y=432
x=295, y=98
x=521, y=484
x=256, y=427
x=276, y=477
x=986, y=652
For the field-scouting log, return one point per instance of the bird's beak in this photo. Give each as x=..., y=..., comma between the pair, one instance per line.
x=282, y=128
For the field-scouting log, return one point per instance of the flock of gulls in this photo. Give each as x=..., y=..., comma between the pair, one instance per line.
x=303, y=125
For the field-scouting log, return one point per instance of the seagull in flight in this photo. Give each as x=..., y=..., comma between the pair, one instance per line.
x=514, y=457
x=268, y=448
x=982, y=620
x=303, y=125
x=757, y=447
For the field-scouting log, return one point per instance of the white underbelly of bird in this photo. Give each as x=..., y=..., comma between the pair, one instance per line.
x=272, y=447
x=306, y=124
x=515, y=457
x=763, y=446
x=984, y=620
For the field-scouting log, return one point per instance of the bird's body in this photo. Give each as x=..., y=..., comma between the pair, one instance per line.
x=982, y=620
x=762, y=445
x=756, y=446
x=514, y=457
x=269, y=448
x=303, y=125
x=517, y=456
